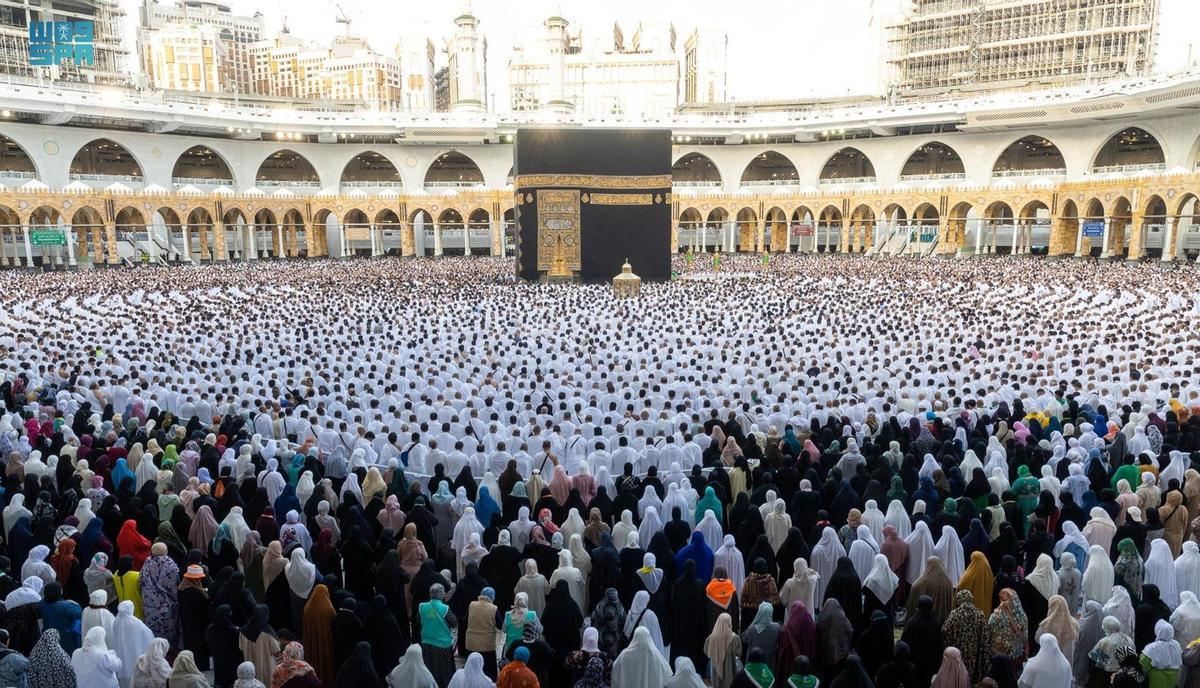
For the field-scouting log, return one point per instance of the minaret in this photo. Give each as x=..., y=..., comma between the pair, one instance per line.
x=467, y=53
x=556, y=50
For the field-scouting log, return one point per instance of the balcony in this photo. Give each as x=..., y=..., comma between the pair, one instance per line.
x=107, y=178
x=697, y=184
x=373, y=185
x=200, y=181
x=846, y=180
x=771, y=182
x=1126, y=169
x=15, y=177
x=282, y=184
x=941, y=176
x=1043, y=172
x=454, y=184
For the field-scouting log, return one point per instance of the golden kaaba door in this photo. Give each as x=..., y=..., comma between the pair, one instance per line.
x=558, y=228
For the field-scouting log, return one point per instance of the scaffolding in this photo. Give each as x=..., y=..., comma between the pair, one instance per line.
x=969, y=46
x=109, y=53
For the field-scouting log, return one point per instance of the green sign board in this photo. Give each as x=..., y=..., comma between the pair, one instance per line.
x=48, y=237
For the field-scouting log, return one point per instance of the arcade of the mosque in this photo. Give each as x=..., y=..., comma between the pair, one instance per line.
x=1109, y=190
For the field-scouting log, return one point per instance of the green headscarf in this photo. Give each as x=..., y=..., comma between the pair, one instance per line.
x=950, y=507
x=897, y=491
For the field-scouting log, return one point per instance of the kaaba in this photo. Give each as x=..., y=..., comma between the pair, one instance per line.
x=587, y=200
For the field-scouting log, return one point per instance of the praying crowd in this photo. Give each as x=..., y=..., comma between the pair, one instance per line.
x=806, y=472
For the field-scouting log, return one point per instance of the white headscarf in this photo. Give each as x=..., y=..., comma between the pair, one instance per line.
x=920, y=548
x=1043, y=577
x=778, y=522
x=1120, y=606
x=651, y=525
x=881, y=580
x=1160, y=571
x=641, y=664
x=729, y=557
x=239, y=530
x=710, y=527
x=470, y=676
x=301, y=573
x=685, y=675
x=950, y=550
x=574, y=524
x=1187, y=568
x=1049, y=668
x=1164, y=652
x=1186, y=618
x=411, y=672
x=29, y=593
x=863, y=558
x=130, y=638
x=15, y=511
x=83, y=512
x=620, y=531
x=898, y=518
x=648, y=620
x=824, y=558
x=801, y=586
x=1098, y=577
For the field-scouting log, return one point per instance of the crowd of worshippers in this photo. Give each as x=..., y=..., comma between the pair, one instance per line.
x=250, y=537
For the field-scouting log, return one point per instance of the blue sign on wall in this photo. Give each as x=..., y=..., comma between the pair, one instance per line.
x=1093, y=229
x=52, y=43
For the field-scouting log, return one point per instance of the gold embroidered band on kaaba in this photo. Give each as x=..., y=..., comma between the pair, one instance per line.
x=595, y=181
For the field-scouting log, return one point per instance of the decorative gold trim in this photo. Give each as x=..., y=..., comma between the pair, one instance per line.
x=622, y=199
x=594, y=181
x=558, y=230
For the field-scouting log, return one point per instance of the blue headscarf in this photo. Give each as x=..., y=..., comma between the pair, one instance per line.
x=485, y=506
x=121, y=473
x=698, y=552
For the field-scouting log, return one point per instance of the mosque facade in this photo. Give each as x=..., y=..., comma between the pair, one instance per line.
x=101, y=177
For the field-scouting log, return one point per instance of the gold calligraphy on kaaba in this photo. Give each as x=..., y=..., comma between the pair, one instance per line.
x=594, y=181
x=558, y=228
x=622, y=199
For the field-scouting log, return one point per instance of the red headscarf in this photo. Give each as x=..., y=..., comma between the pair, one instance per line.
x=133, y=543
x=62, y=560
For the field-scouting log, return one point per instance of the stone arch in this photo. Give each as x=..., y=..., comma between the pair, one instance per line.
x=479, y=224
x=746, y=223
x=450, y=225
x=453, y=168
x=770, y=168
x=202, y=165
x=1131, y=146
x=103, y=160
x=829, y=229
x=369, y=169
x=1031, y=154
x=286, y=167
x=955, y=236
x=933, y=159
x=803, y=228
x=691, y=229
x=862, y=228
x=15, y=161
x=847, y=164
x=775, y=229
x=1120, y=228
x=695, y=169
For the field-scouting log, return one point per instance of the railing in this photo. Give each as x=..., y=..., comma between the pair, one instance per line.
x=771, y=182
x=373, y=185
x=280, y=184
x=459, y=184
x=130, y=178
x=200, y=181
x=846, y=180
x=14, y=175
x=1044, y=172
x=1149, y=166
x=696, y=184
x=940, y=176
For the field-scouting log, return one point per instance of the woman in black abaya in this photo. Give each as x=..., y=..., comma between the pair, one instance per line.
x=561, y=624
x=845, y=587
x=689, y=624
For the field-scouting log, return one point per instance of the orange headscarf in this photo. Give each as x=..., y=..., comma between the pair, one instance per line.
x=318, y=634
x=720, y=591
